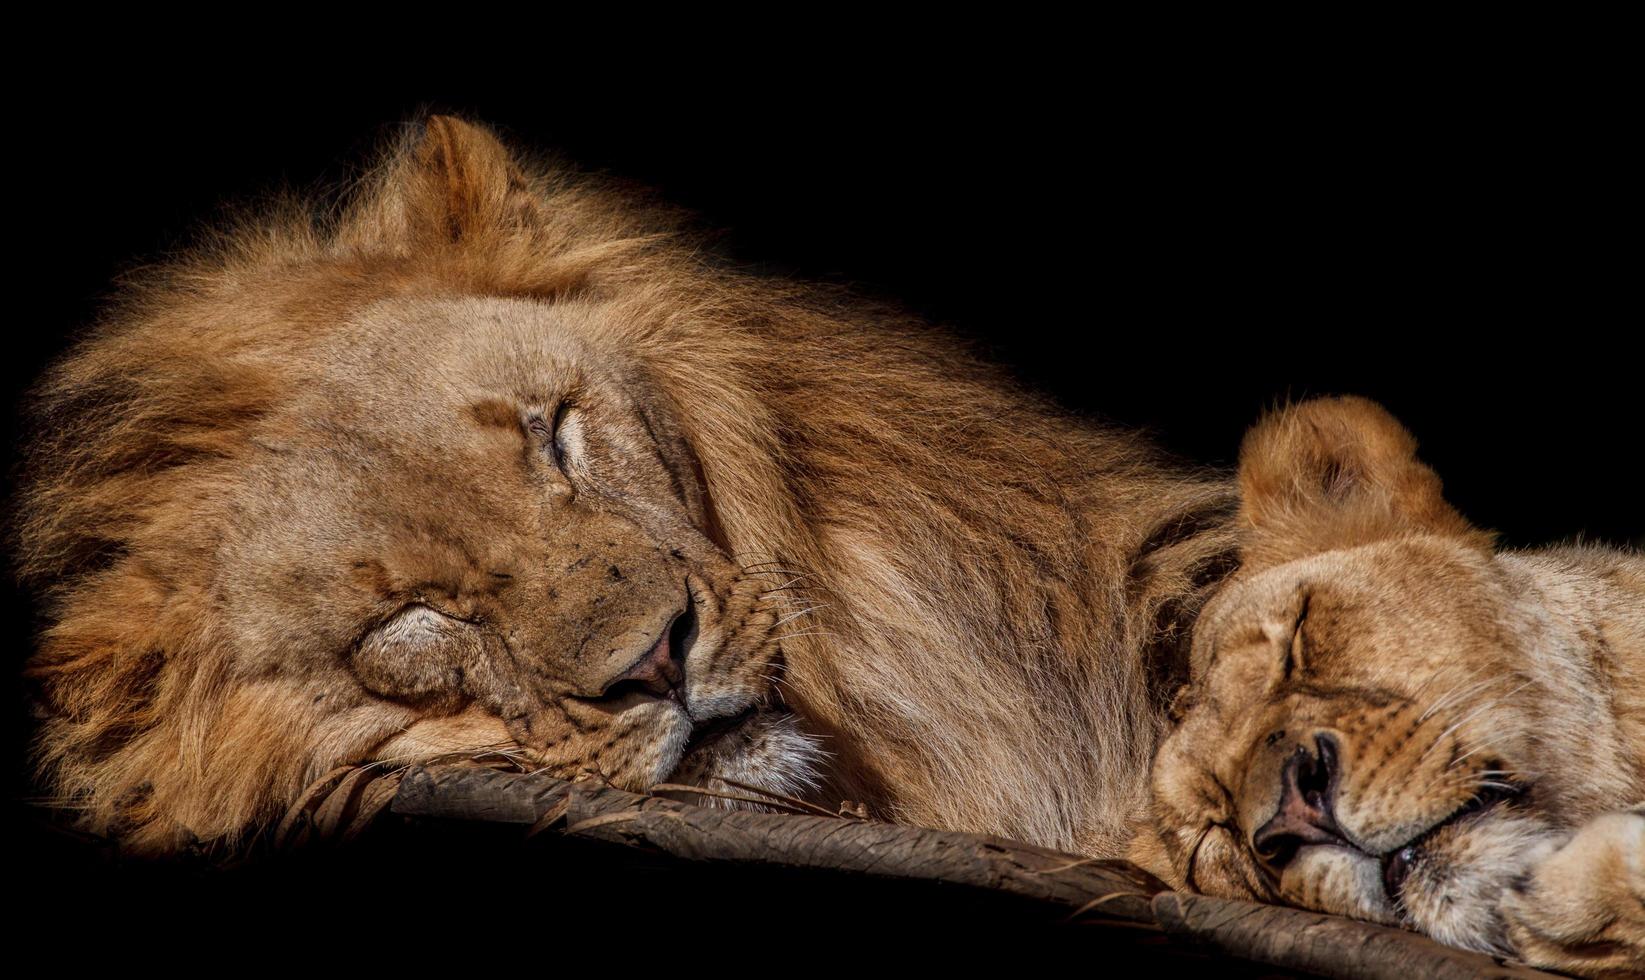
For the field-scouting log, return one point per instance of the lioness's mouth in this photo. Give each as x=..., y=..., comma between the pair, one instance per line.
x=1398, y=863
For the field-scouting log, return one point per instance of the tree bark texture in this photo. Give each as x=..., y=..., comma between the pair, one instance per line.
x=1258, y=939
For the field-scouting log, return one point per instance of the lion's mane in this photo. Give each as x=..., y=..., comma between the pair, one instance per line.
x=998, y=589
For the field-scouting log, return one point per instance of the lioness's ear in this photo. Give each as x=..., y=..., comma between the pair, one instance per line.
x=450, y=183
x=1336, y=473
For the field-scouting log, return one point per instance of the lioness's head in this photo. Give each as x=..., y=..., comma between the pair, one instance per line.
x=391, y=489
x=1385, y=719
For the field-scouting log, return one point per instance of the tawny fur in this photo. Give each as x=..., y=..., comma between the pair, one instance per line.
x=996, y=589
x=1369, y=613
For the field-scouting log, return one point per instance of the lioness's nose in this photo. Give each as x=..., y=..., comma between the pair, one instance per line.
x=659, y=671
x=1305, y=815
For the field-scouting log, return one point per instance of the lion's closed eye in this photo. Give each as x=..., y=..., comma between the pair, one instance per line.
x=559, y=436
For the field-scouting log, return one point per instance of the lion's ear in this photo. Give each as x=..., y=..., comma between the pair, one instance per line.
x=1336, y=473
x=450, y=183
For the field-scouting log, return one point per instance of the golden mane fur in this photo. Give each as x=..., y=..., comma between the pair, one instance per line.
x=997, y=590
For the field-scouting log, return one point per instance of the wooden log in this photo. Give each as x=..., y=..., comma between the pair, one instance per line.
x=1084, y=887
x=1326, y=945
x=1094, y=892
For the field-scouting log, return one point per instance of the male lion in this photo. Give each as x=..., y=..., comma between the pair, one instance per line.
x=1388, y=720
x=495, y=460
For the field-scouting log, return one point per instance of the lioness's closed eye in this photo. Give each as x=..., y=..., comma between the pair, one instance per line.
x=1390, y=720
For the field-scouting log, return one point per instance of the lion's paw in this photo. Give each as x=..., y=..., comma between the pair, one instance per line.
x=1582, y=908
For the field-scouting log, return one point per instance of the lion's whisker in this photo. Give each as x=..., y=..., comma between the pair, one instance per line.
x=764, y=564
x=797, y=615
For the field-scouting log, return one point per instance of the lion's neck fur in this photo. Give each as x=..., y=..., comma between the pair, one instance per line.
x=999, y=593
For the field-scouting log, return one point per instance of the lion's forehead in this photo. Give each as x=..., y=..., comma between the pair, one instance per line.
x=418, y=359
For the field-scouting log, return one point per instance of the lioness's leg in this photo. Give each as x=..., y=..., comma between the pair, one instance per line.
x=1582, y=910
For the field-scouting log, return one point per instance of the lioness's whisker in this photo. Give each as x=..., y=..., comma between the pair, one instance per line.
x=1456, y=778
x=1471, y=715
x=1453, y=694
x=1474, y=784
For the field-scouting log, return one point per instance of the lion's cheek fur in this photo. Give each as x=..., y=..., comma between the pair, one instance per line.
x=428, y=738
x=771, y=752
x=635, y=754
x=203, y=774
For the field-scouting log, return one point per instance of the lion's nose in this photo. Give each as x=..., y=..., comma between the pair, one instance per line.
x=1305, y=812
x=659, y=671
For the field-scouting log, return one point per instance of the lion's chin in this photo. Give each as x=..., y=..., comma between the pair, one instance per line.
x=762, y=748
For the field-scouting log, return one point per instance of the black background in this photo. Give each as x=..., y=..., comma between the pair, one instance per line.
x=1178, y=254
x=1176, y=245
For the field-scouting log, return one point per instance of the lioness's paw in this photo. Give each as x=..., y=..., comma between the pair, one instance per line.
x=1582, y=910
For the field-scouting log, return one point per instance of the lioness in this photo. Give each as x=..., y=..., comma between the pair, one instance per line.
x=497, y=460
x=1388, y=719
